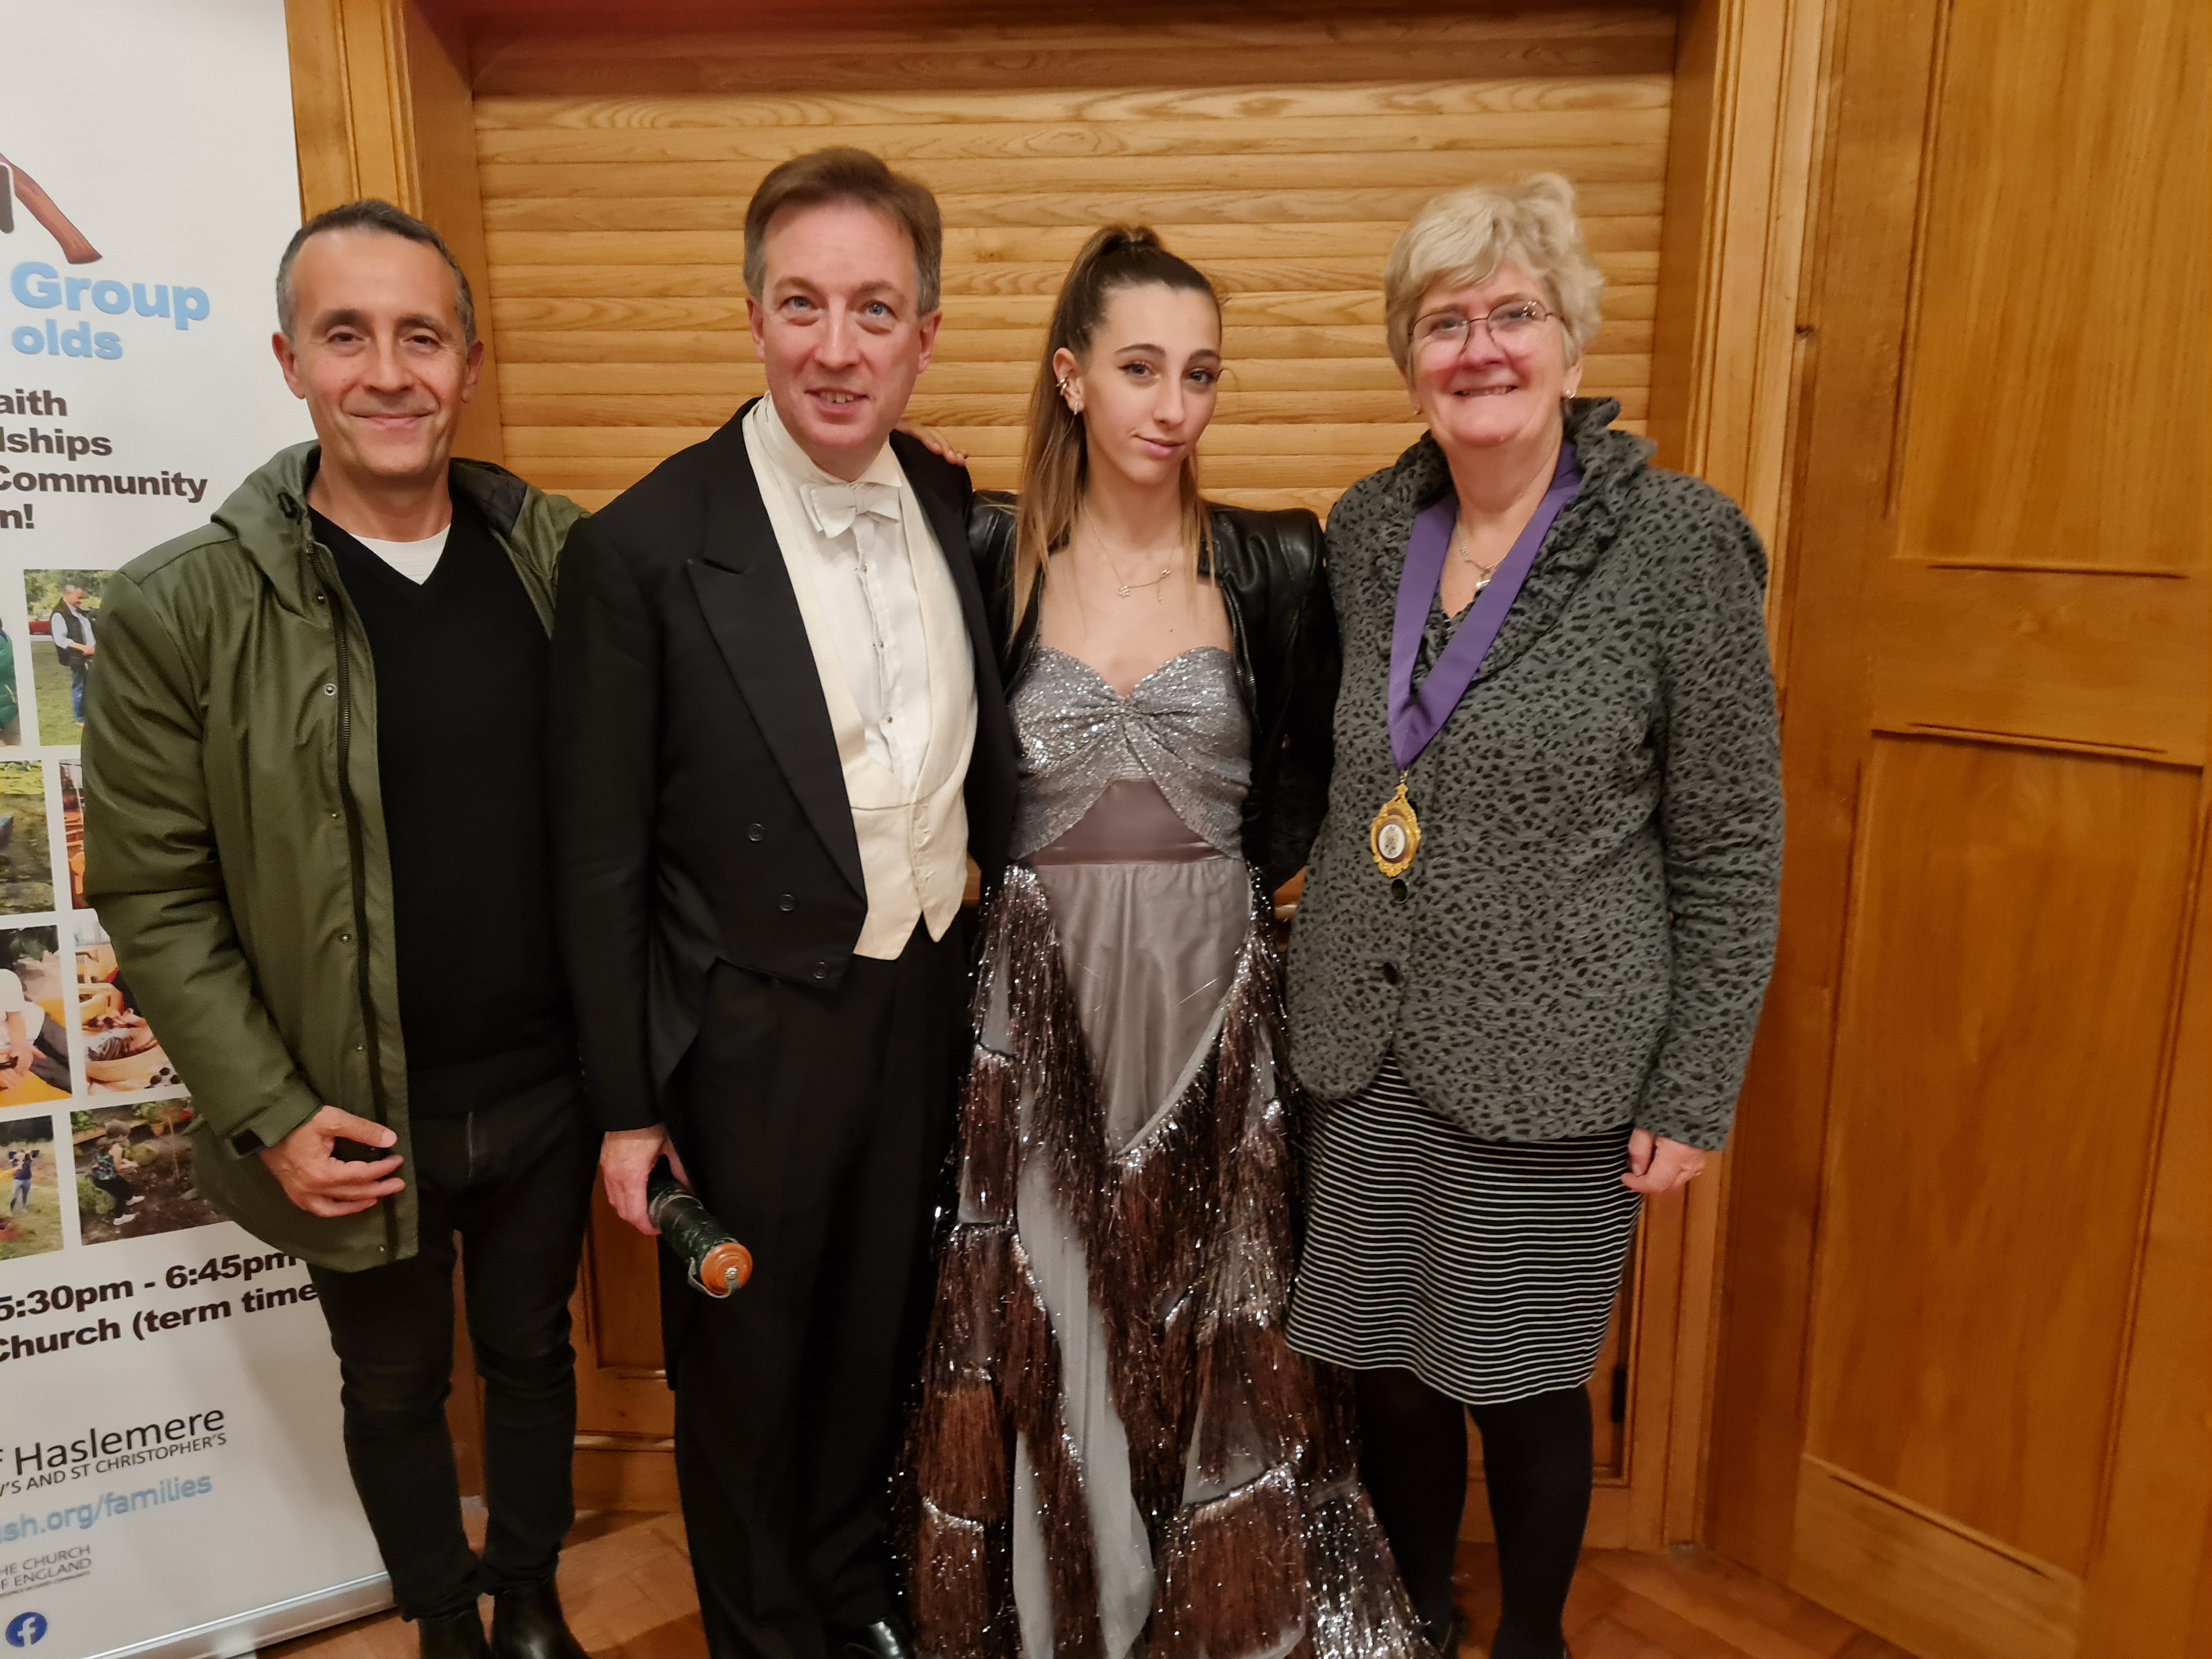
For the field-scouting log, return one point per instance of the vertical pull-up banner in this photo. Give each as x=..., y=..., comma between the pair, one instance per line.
x=172, y=1479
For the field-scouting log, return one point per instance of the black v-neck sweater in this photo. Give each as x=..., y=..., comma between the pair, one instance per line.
x=461, y=667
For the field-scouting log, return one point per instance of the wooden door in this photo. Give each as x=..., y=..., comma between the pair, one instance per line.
x=1962, y=1387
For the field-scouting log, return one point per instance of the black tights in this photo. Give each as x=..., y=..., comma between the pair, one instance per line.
x=1536, y=1456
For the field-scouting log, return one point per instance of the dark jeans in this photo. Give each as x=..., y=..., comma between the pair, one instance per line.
x=514, y=1182
x=1536, y=1464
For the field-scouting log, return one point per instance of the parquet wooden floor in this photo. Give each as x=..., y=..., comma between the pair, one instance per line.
x=626, y=1582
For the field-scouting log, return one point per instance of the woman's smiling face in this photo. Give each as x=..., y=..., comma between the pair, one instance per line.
x=1475, y=391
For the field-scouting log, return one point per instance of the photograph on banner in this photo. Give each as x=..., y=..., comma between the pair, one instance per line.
x=63, y=606
x=122, y=1055
x=134, y=1171
x=32, y=1222
x=27, y=873
x=34, y=997
x=11, y=705
x=73, y=828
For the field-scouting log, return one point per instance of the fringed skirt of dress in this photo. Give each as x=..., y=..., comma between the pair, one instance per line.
x=1116, y=1452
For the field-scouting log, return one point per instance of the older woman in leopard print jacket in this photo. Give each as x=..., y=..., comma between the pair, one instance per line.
x=1540, y=916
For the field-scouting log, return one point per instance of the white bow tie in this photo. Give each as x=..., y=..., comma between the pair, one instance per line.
x=834, y=506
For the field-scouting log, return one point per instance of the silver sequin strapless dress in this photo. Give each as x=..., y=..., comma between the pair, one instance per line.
x=1117, y=1453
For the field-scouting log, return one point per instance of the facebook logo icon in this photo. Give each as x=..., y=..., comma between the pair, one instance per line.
x=26, y=1628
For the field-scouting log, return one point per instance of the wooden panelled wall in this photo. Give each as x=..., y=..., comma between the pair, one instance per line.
x=615, y=175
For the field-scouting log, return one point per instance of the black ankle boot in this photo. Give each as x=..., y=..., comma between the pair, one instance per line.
x=527, y=1623
x=453, y=1635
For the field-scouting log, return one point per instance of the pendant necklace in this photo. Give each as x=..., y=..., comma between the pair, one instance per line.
x=1124, y=589
x=1413, y=716
x=1483, y=573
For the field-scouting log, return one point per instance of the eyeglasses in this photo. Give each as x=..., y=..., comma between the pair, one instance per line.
x=1512, y=327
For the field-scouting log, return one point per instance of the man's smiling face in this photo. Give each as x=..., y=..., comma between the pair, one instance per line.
x=840, y=330
x=378, y=353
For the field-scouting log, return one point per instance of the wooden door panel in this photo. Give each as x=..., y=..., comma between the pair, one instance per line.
x=2017, y=913
x=2058, y=327
x=2056, y=658
x=1940, y=1590
x=620, y=1266
x=1957, y=1320
x=2158, y=1536
x=625, y=1414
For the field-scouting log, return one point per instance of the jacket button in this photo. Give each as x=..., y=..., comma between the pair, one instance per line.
x=821, y=970
x=1391, y=974
x=1398, y=890
x=787, y=904
x=345, y=938
x=330, y=691
x=755, y=832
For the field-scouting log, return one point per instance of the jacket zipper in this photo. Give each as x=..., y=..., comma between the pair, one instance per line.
x=371, y=1046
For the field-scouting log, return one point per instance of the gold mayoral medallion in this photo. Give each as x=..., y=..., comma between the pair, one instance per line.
x=1395, y=834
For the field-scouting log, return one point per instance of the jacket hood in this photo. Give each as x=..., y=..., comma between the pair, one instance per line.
x=268, y=513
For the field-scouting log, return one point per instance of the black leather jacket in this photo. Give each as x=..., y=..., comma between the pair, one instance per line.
x=1272, y=575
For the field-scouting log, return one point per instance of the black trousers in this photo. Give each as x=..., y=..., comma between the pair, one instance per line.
x=1536, y=1464
x=814, y=1125
x=514, y=1182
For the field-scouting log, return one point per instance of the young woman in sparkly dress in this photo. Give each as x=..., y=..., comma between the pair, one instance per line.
x=1117, y=1452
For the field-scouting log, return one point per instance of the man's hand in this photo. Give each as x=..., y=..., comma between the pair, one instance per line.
x=626, y=1158
x=306, y=1165
x=1657, y=1164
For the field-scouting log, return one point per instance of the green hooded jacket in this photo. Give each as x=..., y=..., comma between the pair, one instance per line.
x=235, y=843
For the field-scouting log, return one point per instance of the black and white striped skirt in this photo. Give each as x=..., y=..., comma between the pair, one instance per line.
x=1488, y=1268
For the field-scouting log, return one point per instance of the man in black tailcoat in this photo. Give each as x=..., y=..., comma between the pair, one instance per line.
x=780, y=736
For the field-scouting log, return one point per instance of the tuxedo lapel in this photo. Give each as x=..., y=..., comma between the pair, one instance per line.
x=745, y=592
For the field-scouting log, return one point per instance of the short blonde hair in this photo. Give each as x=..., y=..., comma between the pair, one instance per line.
x=1463, y=235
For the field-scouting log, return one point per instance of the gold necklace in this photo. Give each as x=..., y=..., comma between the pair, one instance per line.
x=1124, y=589
x=1127, y=588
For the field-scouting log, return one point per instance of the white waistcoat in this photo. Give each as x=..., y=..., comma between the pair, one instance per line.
x=913, y=837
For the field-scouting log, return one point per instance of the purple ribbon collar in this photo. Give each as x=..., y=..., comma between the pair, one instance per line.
x=1417, y=717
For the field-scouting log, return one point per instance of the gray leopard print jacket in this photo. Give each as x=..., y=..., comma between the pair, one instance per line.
x=1586, y=935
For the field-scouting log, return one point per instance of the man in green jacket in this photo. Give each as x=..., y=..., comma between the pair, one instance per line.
x=315, y=828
